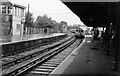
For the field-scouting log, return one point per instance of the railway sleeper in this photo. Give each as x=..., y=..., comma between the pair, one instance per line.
x=44, y=66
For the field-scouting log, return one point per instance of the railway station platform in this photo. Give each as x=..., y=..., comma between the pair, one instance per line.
x=88, y=59
x=15, y=44
x=17, y=38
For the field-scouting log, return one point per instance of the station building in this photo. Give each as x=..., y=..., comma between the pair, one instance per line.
x=13, y=17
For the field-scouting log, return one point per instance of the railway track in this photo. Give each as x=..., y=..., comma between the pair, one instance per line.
x=39, y=58
x=18, y=58
x=47, y=67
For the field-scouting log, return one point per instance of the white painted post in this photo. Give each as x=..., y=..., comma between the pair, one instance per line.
x=22, y=29
x=47, y=30
x=26, y=30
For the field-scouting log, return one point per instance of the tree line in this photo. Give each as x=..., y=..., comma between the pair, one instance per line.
x=43, y=21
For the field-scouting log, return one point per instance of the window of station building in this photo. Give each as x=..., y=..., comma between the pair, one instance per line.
x=22, y=12
x=15, y=10
x=18, y=11
x=4, y=9
x=0, y=9
x=9, y=10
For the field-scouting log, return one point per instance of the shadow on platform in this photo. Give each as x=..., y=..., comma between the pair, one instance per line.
x=91, y=60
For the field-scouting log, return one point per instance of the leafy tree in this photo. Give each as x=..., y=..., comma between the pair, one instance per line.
x=29, y=20
x=63, y=23
x=43, y=21
x=38, y=21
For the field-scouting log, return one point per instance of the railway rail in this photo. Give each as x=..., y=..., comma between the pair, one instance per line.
x=18, y=58
x=49, y=66
x=36, y=56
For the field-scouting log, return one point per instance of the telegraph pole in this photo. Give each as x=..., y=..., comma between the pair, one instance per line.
x=28, y=30
x=28, y=8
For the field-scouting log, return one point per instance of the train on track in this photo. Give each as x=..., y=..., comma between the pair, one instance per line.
x=78, y=33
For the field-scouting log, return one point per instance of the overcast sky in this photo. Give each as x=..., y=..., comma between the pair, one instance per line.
x=53, y=8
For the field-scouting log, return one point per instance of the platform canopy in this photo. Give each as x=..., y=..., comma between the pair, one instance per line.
x=95, y=13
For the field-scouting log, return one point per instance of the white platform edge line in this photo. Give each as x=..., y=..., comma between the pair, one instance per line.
x=53, y=72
